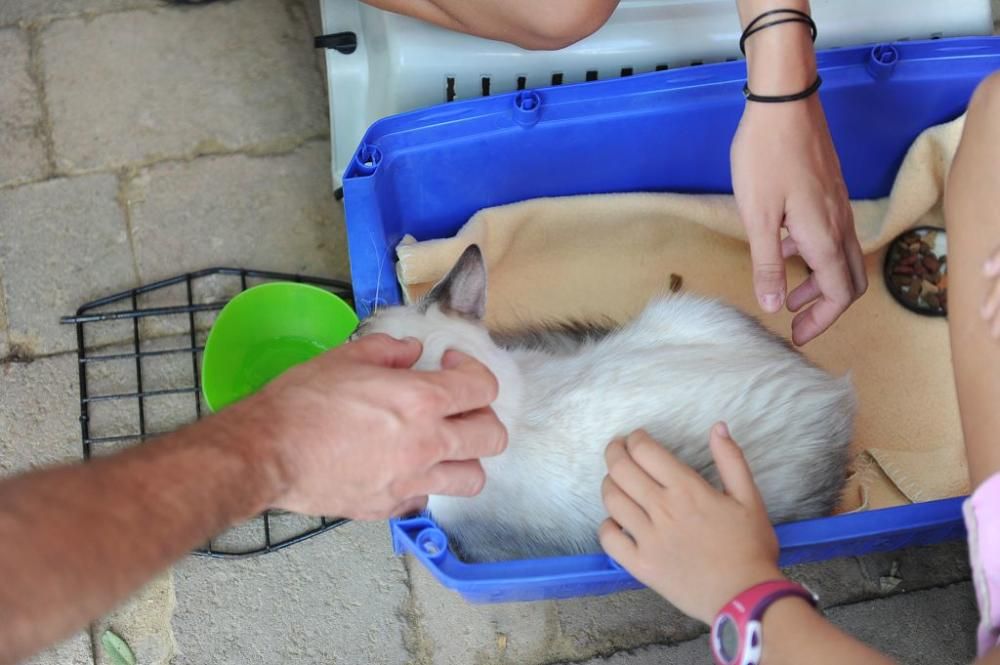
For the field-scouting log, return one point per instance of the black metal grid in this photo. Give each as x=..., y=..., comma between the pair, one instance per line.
x=92, y=321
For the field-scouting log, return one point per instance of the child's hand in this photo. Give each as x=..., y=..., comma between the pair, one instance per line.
x=692, y=544
x=991, y=306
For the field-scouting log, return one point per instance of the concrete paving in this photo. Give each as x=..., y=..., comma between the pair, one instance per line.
x=339, y=598
x=20, y=112
x=136, y=87
x=63, y=242
x=142, y=139
x=933, y=627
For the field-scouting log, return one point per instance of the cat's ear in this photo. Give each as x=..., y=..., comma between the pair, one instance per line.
x=463, y=289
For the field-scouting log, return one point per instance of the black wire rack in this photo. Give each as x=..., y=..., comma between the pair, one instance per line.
x=140, y=353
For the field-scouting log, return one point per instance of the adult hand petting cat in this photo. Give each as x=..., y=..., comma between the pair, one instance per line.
x=354, y=432
x=695, y=546
x=358, y=434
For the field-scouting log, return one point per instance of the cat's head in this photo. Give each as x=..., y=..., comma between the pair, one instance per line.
x=450, y=316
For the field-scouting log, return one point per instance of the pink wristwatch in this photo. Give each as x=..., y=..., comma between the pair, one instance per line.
x=736, y=632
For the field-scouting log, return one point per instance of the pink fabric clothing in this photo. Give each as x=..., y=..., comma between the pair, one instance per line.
x=982, y=519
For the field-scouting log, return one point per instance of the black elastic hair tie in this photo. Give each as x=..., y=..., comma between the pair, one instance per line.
x=778, y=99
x=799, y=17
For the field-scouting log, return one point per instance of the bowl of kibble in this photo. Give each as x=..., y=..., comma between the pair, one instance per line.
x=916, y=270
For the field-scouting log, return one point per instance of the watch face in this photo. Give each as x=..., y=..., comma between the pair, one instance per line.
x=728, y=637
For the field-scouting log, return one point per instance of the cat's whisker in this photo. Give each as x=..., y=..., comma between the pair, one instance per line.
x=380, y=263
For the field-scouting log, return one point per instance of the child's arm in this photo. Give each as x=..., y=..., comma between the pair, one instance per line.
x=972, y=215
x=698, y=547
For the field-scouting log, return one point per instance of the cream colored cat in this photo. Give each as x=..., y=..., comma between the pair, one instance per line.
x=683, y=364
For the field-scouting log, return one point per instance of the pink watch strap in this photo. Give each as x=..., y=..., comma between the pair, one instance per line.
x=744, y=612
x=758, y=598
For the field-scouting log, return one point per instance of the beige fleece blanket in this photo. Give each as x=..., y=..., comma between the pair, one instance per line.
x=598, y=256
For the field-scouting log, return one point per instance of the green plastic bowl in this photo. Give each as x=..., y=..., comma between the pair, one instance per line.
x=266, y=330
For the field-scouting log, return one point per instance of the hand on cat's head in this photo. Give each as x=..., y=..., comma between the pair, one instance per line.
x=359, y=434
x=449, y=316
x=694, y=545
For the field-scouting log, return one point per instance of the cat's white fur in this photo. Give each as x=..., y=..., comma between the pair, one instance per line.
x=683, y=364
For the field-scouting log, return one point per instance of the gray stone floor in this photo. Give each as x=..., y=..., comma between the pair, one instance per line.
x=140, y=140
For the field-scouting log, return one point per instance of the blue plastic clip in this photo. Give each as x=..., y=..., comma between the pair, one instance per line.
x=882, y=61
x=527, y=108
x=367, y=159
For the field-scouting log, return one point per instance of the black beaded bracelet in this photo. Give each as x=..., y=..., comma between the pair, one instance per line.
x=797, y=17
x=778, y=99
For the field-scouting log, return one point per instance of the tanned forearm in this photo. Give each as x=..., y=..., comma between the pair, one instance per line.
x=77, y=540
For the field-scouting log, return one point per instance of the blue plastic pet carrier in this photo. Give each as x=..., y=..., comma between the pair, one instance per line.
x=426, y=172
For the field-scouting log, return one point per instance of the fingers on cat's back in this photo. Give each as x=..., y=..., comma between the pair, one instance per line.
x=656, y=460
x=473, y=435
